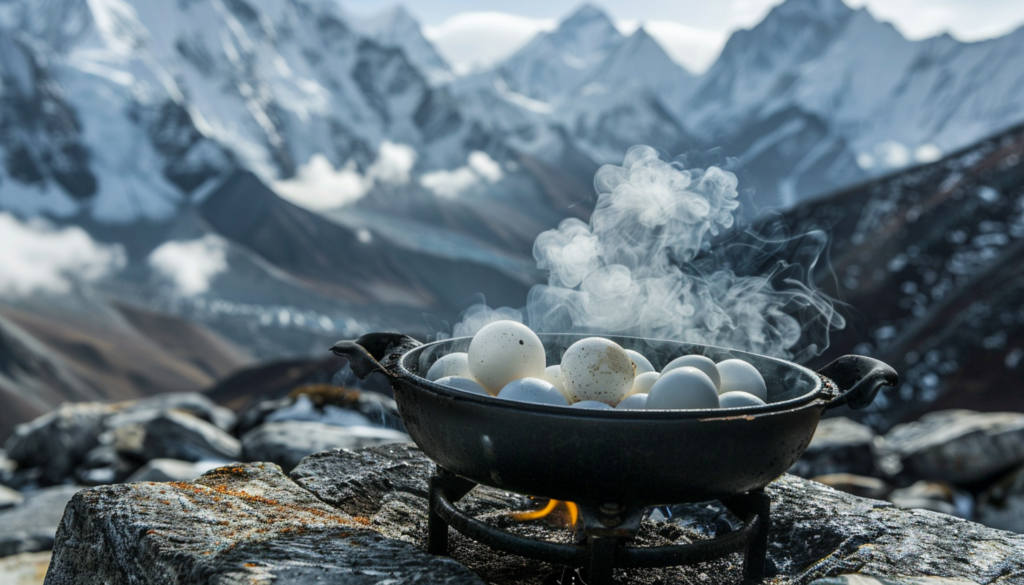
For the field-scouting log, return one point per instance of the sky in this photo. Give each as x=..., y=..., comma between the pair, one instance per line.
x=477, y=33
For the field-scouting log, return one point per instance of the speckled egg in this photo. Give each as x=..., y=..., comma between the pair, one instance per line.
x=739, y=400
x=644, y=382
x=740, y=376
x=643, y=365
x=700, y=362
x=632, y=402
x=453, y=364
x=464, y=384
x=504, y=351
x=532, y=390
x=591, y=404
x=597, y=369
x=682, y=388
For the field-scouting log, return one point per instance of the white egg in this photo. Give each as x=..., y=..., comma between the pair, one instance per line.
x=532, y=390
x=700, y=362
x=643, y=383
x=597, y=369
x=465, y=384
x=682, y=388
x=553, y=374
x=739, y=400
x=632, y=402
x=739, y=376
x=453, y=364
x=504, y=351
x=591, y=404
x=643, y=365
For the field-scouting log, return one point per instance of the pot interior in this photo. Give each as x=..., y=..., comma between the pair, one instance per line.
x=788, y=384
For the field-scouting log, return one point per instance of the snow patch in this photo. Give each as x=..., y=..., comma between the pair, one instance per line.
x=318, y=186
x=38, y=257
x=190, y=265
x=479, y=167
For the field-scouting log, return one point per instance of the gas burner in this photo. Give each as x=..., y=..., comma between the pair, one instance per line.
x=606, y=528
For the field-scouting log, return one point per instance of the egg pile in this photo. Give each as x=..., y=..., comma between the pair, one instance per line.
x=506, y=359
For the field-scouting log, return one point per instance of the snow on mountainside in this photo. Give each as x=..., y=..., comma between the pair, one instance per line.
x=151, y=98
x=395, y=27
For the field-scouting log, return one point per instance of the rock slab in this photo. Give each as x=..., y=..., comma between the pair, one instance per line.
x=243, y=524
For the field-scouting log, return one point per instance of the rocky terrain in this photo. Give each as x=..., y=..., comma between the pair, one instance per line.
x=349, y=516
x=959, y=466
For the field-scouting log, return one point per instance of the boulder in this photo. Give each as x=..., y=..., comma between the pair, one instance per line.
x=24, y=568
x=194, y=403
x=178, y=435
x=243, y=524
x=934, y=495
x=959, y=446
x=326, y=404
x=103, y=464
x=858, y=485
x=57, y=441
x=1002, y=504
x=171, y=470
x=287, y=443
x=30, y=527
x=839, y=445
x=9, y=497
x=817, y=532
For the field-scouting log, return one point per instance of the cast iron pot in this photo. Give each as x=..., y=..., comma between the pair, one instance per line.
x=629, y=458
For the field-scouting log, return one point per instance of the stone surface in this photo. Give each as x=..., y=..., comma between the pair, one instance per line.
x=9, y=497
x=104, y=464
x=901, y=580
x=178, y=435
x=287, y=443
x=171, y=470
x=816, y=532
x=30, y=527
x=958, y=446
x=24, y=568
x=840, y=445
x=57, y=441
x=243, y=524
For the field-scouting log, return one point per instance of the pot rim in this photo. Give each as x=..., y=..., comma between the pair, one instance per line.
x=822, y=392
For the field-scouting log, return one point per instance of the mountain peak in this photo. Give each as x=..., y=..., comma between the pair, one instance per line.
x=586, y=13
x=828, y=10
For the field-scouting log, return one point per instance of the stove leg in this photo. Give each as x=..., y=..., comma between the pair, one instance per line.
x=454, y=488
x=602, y=560
x=755, y=565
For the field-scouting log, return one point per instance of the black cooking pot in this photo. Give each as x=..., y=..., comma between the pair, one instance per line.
x=631, y=458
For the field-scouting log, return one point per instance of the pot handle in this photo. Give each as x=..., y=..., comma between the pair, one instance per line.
x=859, y=379
x=374, y=352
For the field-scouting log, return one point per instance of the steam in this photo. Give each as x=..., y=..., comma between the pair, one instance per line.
x=645, y=266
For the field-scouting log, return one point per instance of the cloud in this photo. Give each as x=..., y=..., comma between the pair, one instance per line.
x=38, y=257
x=318, y=186
x=694, y=48
x=190, y=265
x=479, y=167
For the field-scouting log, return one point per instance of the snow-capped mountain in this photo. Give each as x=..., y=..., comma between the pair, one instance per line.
x=815, y=97
x=153, y=97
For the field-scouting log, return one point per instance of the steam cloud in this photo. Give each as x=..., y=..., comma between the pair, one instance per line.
x=645, y=266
